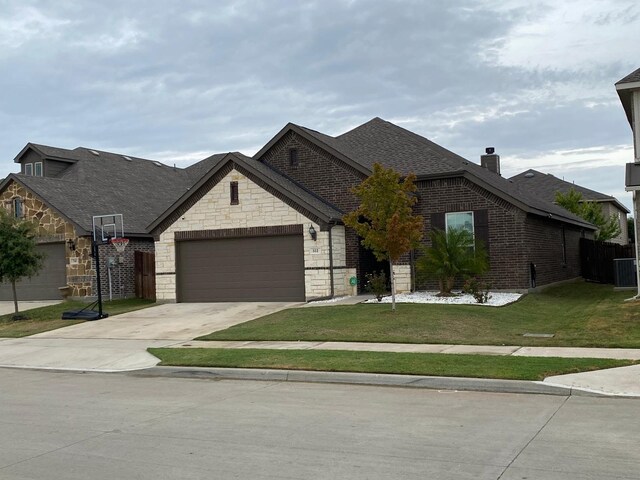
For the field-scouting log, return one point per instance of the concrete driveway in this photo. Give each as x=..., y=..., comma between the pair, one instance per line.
x=119, y=343
x=7, y=307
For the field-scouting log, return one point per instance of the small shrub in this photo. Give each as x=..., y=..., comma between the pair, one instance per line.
x=479, y=290
x=376, y=284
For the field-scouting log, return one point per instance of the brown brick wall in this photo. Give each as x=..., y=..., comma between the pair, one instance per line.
x=506, y=226
x=322, y=174
x=544, y=249
x=515, y=238
x=122, y=273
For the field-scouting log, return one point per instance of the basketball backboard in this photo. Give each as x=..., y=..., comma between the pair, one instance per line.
x=106, y=227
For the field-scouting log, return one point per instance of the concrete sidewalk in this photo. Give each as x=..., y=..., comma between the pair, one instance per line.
x=504, y=350
x=623, y=381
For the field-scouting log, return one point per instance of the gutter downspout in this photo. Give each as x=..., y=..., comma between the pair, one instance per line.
x=331, y=225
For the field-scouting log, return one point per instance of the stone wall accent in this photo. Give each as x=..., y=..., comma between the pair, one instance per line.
x=53, y=227
x=81, y=273
x=256, y=208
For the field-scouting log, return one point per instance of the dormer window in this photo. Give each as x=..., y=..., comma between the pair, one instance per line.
x=37, y=171
x=28, y=168
x=293, y=157
x=17, y=207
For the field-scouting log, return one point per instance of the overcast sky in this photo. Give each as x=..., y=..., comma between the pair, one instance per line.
x=177, y=81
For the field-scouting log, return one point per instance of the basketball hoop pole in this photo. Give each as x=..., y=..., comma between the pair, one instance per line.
x=96, y=256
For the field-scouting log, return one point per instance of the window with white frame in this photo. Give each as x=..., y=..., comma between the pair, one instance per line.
x=463, y=220
x=37, y=169
x=460, y=221
x=28, y=168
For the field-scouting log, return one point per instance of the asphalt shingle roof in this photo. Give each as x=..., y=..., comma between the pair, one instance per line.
x=546, y=185
x=140, y=189
x=631, y=78
x=380, y=141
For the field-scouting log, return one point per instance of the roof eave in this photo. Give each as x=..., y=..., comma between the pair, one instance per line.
x=245, y=164
x=81, y=231
x=523, y=206
x=626, y=98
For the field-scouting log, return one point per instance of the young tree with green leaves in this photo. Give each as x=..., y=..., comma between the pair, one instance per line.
x=18, y=255
x=385, y=218
x=573, y=201
x=452, y=254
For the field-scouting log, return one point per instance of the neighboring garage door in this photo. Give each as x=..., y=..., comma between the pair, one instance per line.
x=241, y=269
x=45, y=285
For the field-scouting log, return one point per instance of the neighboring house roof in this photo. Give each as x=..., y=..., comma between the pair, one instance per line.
x=284, y=186
x=406, y=152
x=546, y=185
x=625, y=88
x=633, y=77
x=107, y=183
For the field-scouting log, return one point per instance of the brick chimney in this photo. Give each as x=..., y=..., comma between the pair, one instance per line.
x=490, y=161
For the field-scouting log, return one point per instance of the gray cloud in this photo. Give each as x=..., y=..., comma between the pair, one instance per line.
x=174, y=80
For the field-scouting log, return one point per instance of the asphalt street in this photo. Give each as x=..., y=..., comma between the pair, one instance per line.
x=71, y=426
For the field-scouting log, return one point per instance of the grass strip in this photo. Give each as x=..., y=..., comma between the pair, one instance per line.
x=449, y=365
x=578, y=314
x=48, y=318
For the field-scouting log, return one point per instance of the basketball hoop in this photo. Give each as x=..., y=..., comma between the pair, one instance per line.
x=119, y=243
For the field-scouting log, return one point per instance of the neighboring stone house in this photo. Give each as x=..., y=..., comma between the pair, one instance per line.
x=62, y=189
x=546, y=186
x=213, y=244
x=629, y=92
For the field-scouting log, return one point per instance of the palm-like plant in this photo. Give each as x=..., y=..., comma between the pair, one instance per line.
x=450, y=256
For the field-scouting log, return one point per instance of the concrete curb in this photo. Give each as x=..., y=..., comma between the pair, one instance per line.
x=388, y=380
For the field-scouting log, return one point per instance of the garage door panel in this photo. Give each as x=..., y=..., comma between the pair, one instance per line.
x=241, y=269
x=43, y=286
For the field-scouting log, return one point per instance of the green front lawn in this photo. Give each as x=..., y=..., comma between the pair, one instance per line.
x=579, y=314
x=48, y=318
x=477, y=366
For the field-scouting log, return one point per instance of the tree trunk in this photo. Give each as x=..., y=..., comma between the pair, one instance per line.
x=15, y=296
x=393, y=287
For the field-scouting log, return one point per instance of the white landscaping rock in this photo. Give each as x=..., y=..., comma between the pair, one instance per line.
x=497, y=299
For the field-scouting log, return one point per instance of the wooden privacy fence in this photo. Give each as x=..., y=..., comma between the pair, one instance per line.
x=145, y=273
x=596, y=259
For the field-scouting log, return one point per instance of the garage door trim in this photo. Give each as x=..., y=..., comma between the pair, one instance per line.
x=271, y=231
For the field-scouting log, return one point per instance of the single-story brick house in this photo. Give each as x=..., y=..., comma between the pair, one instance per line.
x=218, y=241
x=546, y=186
x=270, y=227
x=628, y=90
